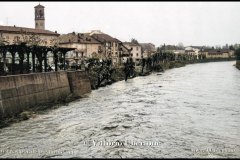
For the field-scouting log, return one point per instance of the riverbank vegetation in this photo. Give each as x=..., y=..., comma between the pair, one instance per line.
x=102, y=72
x=237, y=52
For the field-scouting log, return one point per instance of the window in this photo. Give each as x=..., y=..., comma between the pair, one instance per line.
x=137, y=54
x=36, y=24
x=40, y=13
x=16, y=38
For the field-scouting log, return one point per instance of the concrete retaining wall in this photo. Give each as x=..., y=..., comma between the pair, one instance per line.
x=79, y=83
x=19, y=92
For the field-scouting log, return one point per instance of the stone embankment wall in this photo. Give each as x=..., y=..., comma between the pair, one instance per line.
x=20, y=92
x=79, y=83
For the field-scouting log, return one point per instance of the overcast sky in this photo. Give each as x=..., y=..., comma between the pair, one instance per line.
x=192, y=23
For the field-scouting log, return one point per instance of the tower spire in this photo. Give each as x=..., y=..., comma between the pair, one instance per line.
x=39, y=17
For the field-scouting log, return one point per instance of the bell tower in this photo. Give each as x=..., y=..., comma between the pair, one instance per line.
x=39, y=17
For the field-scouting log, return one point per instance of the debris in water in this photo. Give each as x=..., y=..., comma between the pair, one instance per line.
x=110, y=127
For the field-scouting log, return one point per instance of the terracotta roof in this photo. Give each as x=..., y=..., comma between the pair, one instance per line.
x=131, y=44
x=148, y=47
x=26, y=30
x=219, y=51
x=39, y=6
x=104, y=38
x=189, y=51
x=77, y=38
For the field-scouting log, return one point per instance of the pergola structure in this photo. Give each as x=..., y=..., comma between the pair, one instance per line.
x=37, y=52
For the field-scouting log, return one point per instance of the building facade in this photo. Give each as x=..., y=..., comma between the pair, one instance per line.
x=15, y=35
x=111, y=47
x=136, y=51
x=218, y=53
x=148, y=49
x=86, y=46
x=94, y=44
x=33, y=36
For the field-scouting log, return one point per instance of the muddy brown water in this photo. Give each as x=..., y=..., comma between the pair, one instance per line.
x=193, y=111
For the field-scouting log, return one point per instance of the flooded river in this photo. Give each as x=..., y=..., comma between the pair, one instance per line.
x=193, y=111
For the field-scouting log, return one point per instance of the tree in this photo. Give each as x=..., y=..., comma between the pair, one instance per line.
x=237, y=53
x=236, y=46
x=180, y=45
x=133, y=40
x=231, y=47
x=218, y=47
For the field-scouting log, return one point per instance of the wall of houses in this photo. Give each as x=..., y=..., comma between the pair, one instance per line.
x=111, y=50
x=92, y=50
x=136, y=51
x=12, y=37
x=88, y=50
x=217, y=55
x=20, y=92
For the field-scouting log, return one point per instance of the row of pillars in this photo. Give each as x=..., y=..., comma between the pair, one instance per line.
x=41, y=57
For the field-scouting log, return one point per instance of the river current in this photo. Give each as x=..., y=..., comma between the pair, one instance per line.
x=187, y=112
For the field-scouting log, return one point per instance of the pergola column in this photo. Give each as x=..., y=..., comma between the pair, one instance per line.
x=64, y=60
x=39, y=55
x=40, y=60
x=21, y=56
x=4, y=59
x=28, y=63
x=13, y=62
x=55, y=55
x=33, y=62
x=45, y=61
